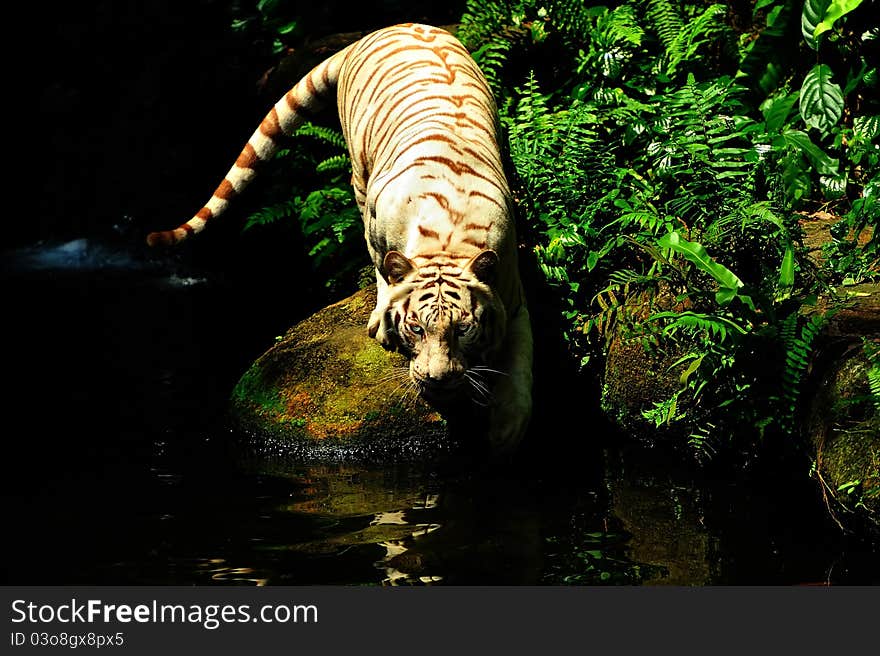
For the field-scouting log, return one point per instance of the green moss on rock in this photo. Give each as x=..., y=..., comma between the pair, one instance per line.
x=327, y=388
x=635, y=380
x=843, y=427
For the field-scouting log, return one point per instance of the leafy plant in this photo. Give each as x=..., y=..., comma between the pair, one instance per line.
x=323, y=205
x=872, y=352
x=663, y=193
x=269, y=19
x=683, y=38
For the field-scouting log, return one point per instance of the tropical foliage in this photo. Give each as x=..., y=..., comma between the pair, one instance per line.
x=670, y=152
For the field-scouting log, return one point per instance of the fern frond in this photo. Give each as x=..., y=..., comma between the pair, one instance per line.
x=798, y=347
x=695, y=322
x=621, y=277
x=331, y=136
x=874, y=383
x=697, y=32
x=613, y=42
x=334, y=163
x=664, y=413
x=569, y=17
x=491, y=57
x=666, y=21
x=682, y=39
x=272, y=214
x=482, y=19
x=619, y=27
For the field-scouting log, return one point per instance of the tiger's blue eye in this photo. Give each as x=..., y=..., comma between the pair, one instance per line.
x=463, y=329
x=416, y=329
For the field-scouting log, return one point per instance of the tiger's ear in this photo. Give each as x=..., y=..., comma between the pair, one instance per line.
x=395, y=266
x=483, y=265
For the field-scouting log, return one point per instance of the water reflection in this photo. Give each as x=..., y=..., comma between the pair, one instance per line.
x=408, y=524
x=419, y=527
x=664, y=520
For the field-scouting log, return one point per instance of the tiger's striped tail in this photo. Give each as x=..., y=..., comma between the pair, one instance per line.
x=308, y=96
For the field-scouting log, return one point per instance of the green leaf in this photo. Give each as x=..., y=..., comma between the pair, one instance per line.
x=760, y=4
x=696, y=253
x=786, y=275
x=814, y=12
x=773, y=15
x=777, y=108
x=268, y=6
x=849, y=486
x=867, y=127
x=725, y=296
x=796, y=177
x=824, y=165
x=698, y=360
x=287, y=29
x=835, y=10
x=821, y=99
x=718, y=325
x=766, y=60
x=833, y=186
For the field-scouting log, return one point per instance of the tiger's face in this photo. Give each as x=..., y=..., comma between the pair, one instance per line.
x=448, y=320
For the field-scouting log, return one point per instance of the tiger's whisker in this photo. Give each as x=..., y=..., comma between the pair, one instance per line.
x=481, y=390
x=483, y=369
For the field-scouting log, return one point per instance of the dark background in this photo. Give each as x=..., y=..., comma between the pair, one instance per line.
x=136, y=108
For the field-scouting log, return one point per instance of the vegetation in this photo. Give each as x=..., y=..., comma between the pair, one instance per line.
x=311, y=184
x=665, y=155
x=667, y=152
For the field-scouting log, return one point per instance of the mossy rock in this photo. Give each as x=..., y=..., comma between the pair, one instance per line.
x=843, y=427
x=327, y=391
x=636, y=379
x=638, y=375
x=842, y=423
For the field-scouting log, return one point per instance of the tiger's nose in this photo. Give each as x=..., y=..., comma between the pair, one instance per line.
x=437, y=379
x=443, y=380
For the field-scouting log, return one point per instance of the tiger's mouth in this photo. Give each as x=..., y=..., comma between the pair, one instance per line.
x=443, y=389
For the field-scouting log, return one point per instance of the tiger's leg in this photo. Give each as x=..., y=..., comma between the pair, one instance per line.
x=512, y=397
x=379, y=325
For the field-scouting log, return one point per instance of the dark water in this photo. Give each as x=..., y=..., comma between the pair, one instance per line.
x=120, y=467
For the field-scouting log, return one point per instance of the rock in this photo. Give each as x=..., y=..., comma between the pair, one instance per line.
x=638, y=375
x=327, y=391
x=859, y=315
x=635, y=380
x=839, y=425
x=842, y=424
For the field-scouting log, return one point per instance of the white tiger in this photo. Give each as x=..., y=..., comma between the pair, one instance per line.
x=422, y=132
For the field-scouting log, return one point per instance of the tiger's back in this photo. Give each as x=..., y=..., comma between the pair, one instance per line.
x=421, y=126
x=422, y=133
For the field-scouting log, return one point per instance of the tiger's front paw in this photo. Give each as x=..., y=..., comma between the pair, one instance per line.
x=374, y=323
x=378, y=327
x=508, y=421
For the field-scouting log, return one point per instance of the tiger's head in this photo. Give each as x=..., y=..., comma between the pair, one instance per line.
x=449, y=321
